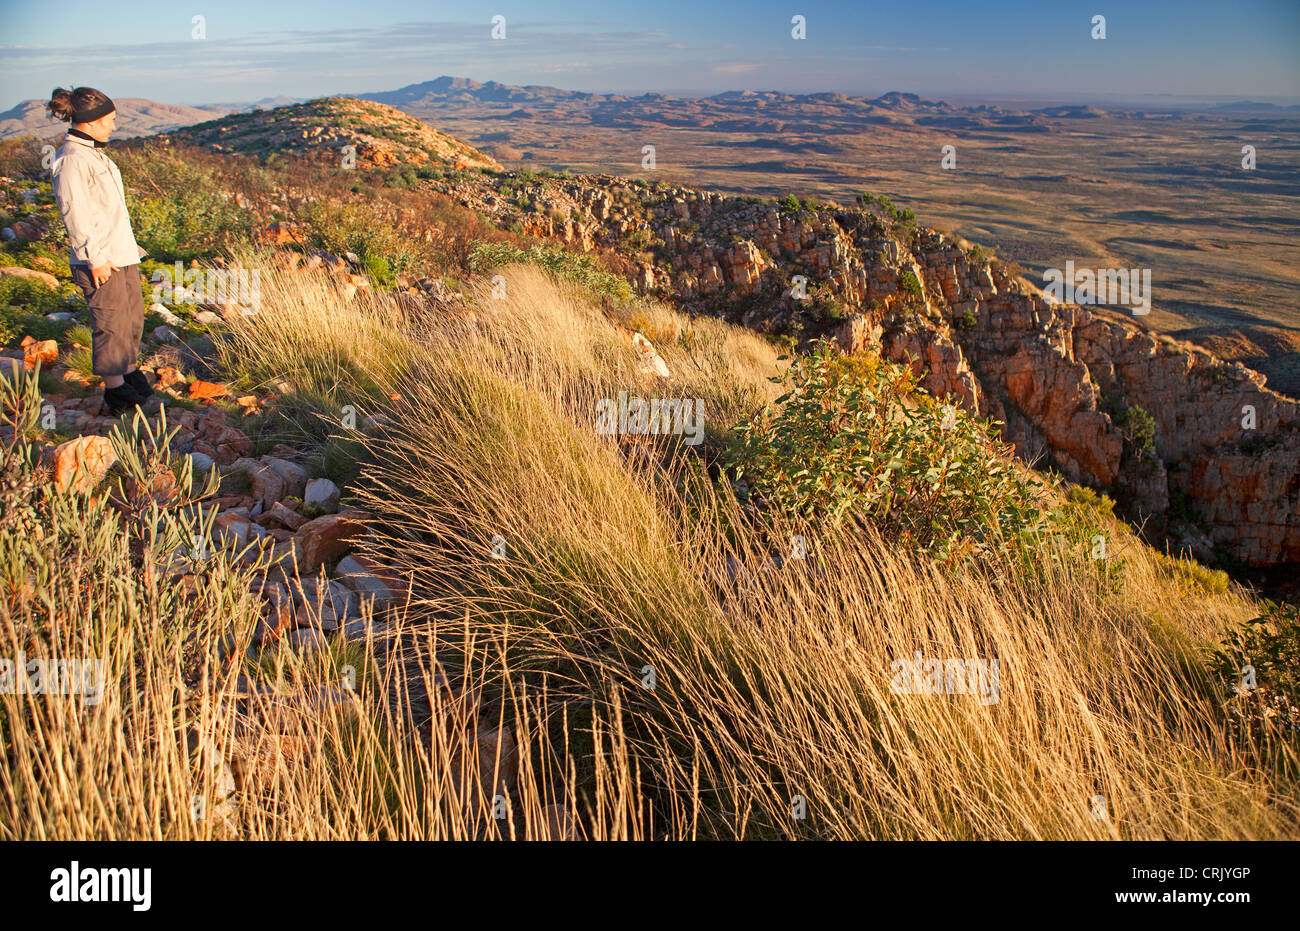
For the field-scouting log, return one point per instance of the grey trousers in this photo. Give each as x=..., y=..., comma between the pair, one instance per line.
x=116, y=318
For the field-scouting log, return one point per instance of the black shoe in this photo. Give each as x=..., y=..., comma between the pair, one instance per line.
x=138, y=381
x=120, y=399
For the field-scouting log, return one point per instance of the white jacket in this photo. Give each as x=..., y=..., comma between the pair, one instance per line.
x=89, y=191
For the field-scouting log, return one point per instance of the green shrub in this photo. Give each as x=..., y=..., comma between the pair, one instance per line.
x=177, y=210
x=1270, y=643
x=855, y=438
x=361, y=229
x=1139, y=429
x=640, y=240
x=1136, y=425
x=908, y=283
x=379, y=270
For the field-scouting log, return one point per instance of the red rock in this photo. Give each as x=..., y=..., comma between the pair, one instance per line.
x=231, y=443
x=200, y=389
x=281, y=233
x=231, y=529
x=277, y=613
x=281, y=513
x=373, y=582
x=326, y=538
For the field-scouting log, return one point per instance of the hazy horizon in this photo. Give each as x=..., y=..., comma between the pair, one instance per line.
x=962, y=99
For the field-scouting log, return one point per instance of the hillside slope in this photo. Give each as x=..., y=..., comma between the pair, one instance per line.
x=386, y=571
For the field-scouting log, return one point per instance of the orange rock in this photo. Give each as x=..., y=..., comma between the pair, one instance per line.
x=280, y=234
x=206, y=389
x=80, y=464
x=167, y=376
x=44, y=351
x=162, y=486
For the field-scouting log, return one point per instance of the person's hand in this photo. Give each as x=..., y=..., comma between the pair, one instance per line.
x=101, y=274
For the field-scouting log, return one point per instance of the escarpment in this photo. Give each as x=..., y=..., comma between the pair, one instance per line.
x=1191, y=445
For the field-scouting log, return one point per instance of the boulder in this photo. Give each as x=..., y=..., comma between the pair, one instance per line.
x=31, y=274
x=81, y=464
x=326, y=538
x=322, y=495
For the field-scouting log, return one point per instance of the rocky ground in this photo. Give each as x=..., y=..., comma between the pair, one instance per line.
x=295, y=530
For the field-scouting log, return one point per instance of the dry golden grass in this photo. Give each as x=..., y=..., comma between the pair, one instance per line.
x=626, y=568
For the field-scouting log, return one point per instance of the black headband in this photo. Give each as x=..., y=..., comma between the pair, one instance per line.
x=94, y=113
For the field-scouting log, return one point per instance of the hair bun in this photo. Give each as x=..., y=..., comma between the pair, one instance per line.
x=60, y=105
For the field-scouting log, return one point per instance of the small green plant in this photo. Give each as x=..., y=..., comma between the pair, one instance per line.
x=379, y=270
x=908, y=283
x=1137, y=427
x=20, y=402
x=641, y=240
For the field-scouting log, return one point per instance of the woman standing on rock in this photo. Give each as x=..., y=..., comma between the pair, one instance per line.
x=105, y=258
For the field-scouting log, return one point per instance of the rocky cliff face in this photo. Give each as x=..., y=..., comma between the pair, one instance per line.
x=1220, y=474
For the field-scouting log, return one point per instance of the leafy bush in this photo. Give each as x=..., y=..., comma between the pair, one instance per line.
x=23, y=305
x=362, y=229
x=1139, y=429
x=1270, y=643
x=640, y=240
x=903, y=219
x=176, y=209
x=854, y=438
x=379, y=269
x=908, y=283
x=1136, y=425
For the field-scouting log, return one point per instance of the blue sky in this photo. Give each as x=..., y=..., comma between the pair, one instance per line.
x=1190, y=49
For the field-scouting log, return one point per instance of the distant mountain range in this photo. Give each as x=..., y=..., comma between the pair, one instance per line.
x=731, y=111
x=136, y=116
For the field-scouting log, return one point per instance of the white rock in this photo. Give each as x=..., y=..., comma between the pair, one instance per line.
x=168, y=317
x=651, y=361
x=322, y=494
